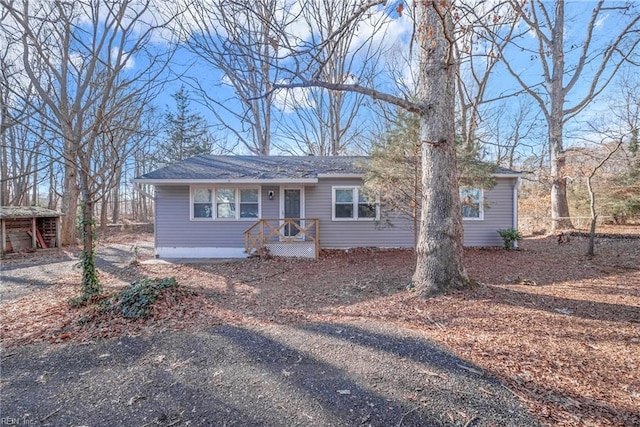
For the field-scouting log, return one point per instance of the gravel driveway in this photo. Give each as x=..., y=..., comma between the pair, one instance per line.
x=268, y=374
x=311, y=375
x=20, y=276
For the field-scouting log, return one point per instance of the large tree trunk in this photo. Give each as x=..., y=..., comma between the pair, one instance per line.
x=115, y=214
x=4, y=173
x=71, y=191
x=560, y=217
x=91, y=287
x=559, y=205
x=439, y=250
x=53, y=198
x=104, y=213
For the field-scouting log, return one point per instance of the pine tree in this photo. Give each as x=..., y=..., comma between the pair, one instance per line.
x=395, y=172
x=186, y=133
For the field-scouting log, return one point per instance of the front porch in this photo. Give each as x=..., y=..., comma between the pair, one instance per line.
x=287, y=237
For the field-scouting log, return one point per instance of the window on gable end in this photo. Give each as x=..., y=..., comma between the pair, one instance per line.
x=472, y=203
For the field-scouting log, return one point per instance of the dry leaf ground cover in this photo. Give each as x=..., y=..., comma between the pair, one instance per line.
x=560, y=329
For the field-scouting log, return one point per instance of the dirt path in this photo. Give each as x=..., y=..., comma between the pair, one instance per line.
x=311, y=375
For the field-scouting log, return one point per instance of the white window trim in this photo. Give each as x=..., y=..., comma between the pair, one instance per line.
x=214, y=208
x=356, y=198
x=481, y=204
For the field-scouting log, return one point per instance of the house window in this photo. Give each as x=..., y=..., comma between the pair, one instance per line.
x=343, y=207
x=202, y=203
x=225, y=203
x=349, y=203
x=472, y=200
x=249, y=207
x=365, y=209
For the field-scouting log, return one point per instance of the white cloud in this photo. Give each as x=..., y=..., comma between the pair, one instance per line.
x=289, y=100
x=126, y=59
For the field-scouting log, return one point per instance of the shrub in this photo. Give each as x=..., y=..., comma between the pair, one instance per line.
x=510, y=236
x=135, y=301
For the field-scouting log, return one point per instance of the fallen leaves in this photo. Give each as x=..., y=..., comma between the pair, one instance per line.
x=560, y=329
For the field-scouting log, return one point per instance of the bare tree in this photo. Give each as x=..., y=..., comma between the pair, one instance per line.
x=85, y=52
x=574, y=70
x=19, y=144
x=592, y=197
x=439, y=250
x=620, y=191
x=327, y=122
x=235, y=40
x=512, y=132
x=477, y=56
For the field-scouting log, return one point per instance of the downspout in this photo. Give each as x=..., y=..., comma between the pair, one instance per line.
x=515, y=208
x=155, y=225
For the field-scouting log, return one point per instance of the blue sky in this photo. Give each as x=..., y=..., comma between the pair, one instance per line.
x=501, y=83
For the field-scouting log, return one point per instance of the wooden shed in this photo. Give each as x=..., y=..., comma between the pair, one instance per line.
x=29, y=228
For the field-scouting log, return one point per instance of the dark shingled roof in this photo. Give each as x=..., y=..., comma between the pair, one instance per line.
x=208, y=167
x=237, y=168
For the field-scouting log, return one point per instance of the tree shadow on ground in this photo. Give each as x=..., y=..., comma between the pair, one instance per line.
x=325, y=366
x=592, y=310
x=277, y=289
x=576, y=408
x=243, y=376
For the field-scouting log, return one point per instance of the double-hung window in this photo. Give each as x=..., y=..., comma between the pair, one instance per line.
x=225, y=203
x=472, y=203
x=202, y=203
x=350, y=203
x=220, y=203
x=249, y=203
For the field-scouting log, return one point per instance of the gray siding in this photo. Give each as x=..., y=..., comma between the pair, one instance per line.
x=270, y=208
x=498, y=214
x=392, y=230
x=174, y=228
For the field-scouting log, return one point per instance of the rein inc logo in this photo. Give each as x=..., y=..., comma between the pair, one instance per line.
x=13, y=421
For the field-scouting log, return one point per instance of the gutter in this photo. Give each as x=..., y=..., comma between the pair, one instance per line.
x=150, y=181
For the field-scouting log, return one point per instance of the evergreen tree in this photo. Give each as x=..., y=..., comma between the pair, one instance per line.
x=395, y=171
x=186, y=133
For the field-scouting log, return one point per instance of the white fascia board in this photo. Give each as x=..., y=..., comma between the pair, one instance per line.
x=340, y=175
x=225, y=181
x=513, y=175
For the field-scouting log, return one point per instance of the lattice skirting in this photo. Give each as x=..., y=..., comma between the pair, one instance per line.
x=292, y=249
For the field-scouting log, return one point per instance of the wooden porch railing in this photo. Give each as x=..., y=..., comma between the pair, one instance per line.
x=274, y=231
